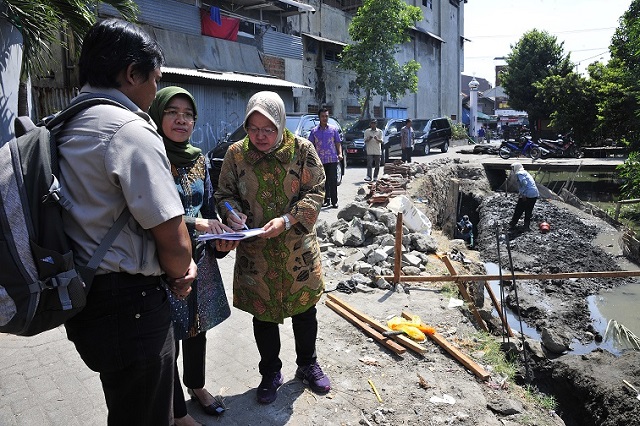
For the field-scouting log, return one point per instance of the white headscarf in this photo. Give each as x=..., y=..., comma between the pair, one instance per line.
x=271, y=105
x=516, y=167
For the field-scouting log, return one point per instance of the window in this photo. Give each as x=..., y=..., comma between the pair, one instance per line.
x=332, y=55
x=428, y=4
x=312, y=45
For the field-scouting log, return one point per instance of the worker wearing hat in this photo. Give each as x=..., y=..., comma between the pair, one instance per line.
x=528, y=195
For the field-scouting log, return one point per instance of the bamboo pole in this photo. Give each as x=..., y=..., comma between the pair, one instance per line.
x=549, y=276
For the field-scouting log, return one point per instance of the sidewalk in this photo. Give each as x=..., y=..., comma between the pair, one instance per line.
x=44, y=382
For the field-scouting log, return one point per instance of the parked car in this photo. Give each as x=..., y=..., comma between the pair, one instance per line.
x=298, y=124
x=354, y=136
x=436, y=133
x=428, y=133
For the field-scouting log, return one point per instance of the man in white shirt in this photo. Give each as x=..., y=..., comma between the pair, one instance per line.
x=373, y=146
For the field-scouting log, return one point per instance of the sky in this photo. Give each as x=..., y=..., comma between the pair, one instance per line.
x=493, y=26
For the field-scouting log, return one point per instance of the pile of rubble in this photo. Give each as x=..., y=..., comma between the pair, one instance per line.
x=370, y=231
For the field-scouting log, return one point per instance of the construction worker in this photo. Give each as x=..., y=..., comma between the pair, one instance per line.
x=528, y=195
x=465, y=229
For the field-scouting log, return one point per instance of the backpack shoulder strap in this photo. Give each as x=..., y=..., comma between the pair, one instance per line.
x=87, y=272
x=79, y=104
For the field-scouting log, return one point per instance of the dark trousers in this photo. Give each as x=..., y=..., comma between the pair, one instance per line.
x=373, y=162
x=331, y=184
x=406, y=154
x=193, y=366
x=267, y=335
x=524, y=205
x=125, y=334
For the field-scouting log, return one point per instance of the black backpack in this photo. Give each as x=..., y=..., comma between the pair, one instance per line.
x=40, y=285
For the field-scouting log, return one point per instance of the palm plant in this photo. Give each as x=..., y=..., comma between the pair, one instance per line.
x=40, y=24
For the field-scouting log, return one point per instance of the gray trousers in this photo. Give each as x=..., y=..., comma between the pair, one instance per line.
x=373, y=161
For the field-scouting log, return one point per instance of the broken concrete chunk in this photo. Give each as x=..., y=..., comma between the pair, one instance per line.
x=506, y=407
x=376, y=256
x=353, y=209
x=338, y=238
x=355, y=257
x=554, y=341
x=422, y=243
x=411, y=270
x=354, y=237
x=375, y=228
x=411, y=259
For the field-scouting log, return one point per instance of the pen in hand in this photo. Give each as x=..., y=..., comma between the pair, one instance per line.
x=233, y=212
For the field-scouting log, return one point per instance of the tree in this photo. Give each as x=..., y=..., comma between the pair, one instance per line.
x=40, y=25
x=619, y=107
x=536, y=56
x=377, y=30
x=573, y=102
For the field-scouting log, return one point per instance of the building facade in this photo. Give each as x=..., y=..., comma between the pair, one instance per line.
x=289, y=46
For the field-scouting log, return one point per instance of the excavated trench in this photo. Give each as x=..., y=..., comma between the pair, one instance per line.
x=587, y=387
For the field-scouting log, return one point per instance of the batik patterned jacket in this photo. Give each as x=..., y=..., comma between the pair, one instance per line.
x=279, y=277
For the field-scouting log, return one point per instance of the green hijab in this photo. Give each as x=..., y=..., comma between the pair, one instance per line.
x=179, y=154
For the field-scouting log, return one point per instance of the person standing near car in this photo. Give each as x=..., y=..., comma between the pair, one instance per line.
x=328, y=144
x=373, y=146
x=406, y=141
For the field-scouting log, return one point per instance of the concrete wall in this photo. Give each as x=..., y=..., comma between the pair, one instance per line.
x=10, y=62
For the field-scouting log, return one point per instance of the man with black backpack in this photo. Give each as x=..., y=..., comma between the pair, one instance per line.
x=112, y=159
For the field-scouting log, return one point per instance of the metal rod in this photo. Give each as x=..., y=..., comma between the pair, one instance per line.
x=515, y=291
x=505, y=323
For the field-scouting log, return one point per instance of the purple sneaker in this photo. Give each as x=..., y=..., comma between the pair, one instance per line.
x=268, y=389
x=314, y=377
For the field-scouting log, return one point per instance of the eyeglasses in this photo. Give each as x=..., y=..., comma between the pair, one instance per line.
x=265, y=131
x=186, y=116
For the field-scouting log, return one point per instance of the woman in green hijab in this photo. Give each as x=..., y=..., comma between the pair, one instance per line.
x=174, y=112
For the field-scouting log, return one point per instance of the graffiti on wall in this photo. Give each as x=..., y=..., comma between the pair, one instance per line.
x=208, y=135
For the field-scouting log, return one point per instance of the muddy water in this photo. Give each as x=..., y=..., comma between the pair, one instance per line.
x=620, y=304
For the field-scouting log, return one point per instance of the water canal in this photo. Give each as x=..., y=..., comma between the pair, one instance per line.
x=620, y=304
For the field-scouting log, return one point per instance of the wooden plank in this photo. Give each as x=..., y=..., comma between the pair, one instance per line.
x=556, y=276
x=455, y=352
x=402, y=339
x=388, y=343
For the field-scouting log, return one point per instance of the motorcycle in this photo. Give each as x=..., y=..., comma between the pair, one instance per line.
x=525, y=148
x=564, y=146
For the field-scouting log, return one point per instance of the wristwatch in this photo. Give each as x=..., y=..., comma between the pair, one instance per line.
x=287, y=222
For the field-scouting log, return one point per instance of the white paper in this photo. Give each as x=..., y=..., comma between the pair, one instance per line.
x=234, y=236
x=446, y=399
x=454, y=303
